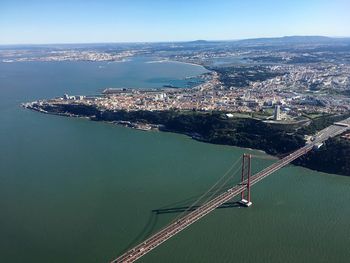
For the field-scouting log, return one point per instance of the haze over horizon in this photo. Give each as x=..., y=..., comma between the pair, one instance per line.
x=56, y=22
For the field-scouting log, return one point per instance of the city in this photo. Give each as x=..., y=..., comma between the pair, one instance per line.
x=244, y=87
x=189, y=131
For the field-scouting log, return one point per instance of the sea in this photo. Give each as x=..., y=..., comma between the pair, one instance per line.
x=74, y=190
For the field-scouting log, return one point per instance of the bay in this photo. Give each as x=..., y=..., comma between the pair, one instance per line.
x=73, y=190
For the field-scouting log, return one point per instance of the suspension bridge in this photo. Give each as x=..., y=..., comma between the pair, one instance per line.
x=192, y=215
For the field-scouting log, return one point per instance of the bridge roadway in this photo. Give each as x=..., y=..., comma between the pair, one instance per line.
x=184, y=222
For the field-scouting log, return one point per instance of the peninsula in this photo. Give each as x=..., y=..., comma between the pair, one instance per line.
x=208, y=112
x=270, y=94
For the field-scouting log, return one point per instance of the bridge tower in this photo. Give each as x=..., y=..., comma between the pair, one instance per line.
x=245, y=180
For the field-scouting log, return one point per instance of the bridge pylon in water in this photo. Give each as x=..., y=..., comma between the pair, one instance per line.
x=245, y=180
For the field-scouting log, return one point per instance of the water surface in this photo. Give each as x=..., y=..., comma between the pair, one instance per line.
x=73, y=190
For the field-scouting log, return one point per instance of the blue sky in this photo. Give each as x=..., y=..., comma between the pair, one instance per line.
x=85, y=21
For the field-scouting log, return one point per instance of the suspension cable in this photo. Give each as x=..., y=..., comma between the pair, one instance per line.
x=209, y=190
x=219, y=189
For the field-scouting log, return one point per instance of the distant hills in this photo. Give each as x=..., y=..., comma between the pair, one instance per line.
x=292, y=40
x=280, y=40
x=268, y=41
x=271, y=41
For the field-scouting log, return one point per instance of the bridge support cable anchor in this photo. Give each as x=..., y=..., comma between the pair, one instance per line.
x=245, y=180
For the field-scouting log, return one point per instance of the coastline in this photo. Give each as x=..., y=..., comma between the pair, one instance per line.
x=175, y=61
x=138, y=120
x=136, y=126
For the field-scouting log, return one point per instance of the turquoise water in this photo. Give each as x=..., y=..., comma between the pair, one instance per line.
x=73, y=190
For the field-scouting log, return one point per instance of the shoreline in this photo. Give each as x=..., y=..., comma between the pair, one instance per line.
x=176, y=61
x=149, y=126
x=153, y=128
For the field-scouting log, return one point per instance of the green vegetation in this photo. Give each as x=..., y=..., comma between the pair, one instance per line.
x=333, y=157
x=241, y=130
x=262, y=115
x=241, y=76
x=314, y=115
x=322, y=122
x=215, y=127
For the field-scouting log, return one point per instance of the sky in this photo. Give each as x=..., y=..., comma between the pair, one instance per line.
x=86, y=21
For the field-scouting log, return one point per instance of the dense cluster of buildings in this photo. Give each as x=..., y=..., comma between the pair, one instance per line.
x=283, y=96
x=308, y=78
x=66, y=55
x=287, y=82
x=309, y=88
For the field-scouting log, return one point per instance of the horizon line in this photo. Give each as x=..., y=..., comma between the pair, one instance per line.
x=169, y=41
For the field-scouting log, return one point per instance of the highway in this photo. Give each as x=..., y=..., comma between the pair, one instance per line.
x=184, y=222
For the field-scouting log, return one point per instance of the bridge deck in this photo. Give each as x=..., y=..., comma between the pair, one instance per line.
x=184, y=222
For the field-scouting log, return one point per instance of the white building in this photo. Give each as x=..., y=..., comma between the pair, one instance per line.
x=277, y=113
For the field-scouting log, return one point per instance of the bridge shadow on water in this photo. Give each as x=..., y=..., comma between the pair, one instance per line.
x=189, y=208
x=177, y=207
